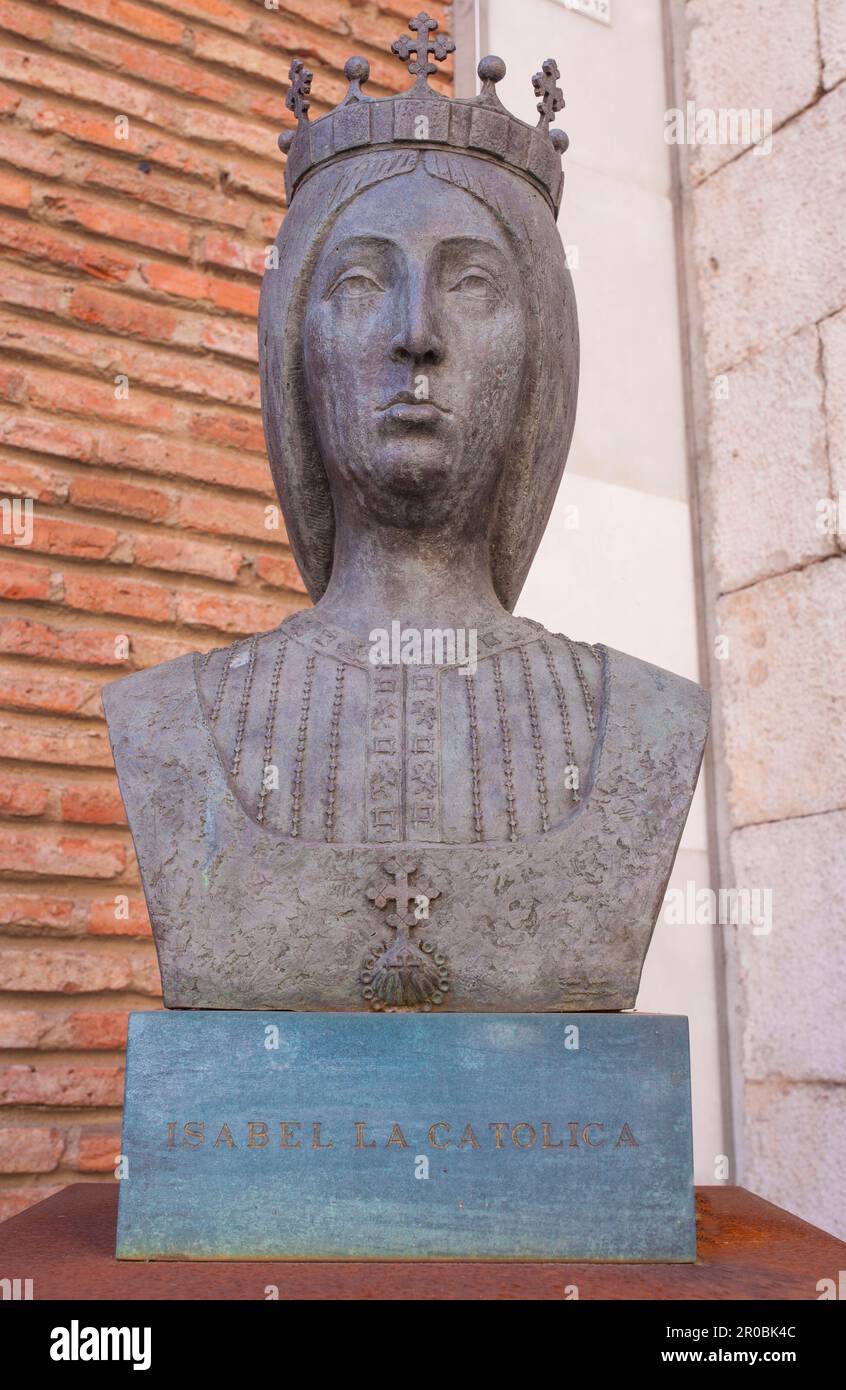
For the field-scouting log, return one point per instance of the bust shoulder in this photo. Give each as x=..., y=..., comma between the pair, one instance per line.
x=138, y=701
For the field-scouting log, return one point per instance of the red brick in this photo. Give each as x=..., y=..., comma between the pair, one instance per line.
x=149, y=649
x=20, y=1028
x=14, y=192
x=30, y=1149
x=137, y=598
x=21, y=581
x=56, y=1085
x=144, y=142
x=233, y=339
x=63, y=346
x=331, y=51
x=273, y=109
x=220, y=12
x=279, y=570
x=106, y=917
x=151, y=453
x=119, y=223
x=34, y=153
x=398, y=8
x=12, y=384
x=194, y=285
x=25, y=690
x=30, y=739
x=116, y=495
x=155, y=67
x=176, y=279
x=9, y=101
x=244, y=57
x=114, y=400
x=36, y=970
x=102, y=1031
x=42, y=244
x=249, y=178
x=41, y=911
x=122, y=14
x=232, y=431
x=33, y=24
x=30, y=290
x=58, y=536
x=69, y=78
x=89, y=1030
x=229, y=613
x=219, y=127
x=94, y=1150
x=80, y=646
x=124, y=316
x=264, y=226
x=188, y=557
x=223, y=250
x=92, y=803
x=21, y=479
x=48, y=853
x=22, y=798
x=224, y=517
x=155, y=187
x=46, y=436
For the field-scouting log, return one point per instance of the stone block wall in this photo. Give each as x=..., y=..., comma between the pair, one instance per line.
x=765, y=249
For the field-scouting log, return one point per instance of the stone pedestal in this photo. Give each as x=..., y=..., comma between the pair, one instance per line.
x=407, y=1136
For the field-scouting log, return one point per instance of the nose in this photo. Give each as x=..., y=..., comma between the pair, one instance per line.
x=417, y=339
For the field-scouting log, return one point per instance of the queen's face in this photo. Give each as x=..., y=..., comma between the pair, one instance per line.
x=415, y=351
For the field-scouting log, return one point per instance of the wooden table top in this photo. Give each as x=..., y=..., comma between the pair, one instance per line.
x=748, y=1249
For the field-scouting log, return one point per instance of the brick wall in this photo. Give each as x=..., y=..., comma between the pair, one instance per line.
x=140, y=184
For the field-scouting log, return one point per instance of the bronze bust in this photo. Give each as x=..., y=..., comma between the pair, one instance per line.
x=317, y=827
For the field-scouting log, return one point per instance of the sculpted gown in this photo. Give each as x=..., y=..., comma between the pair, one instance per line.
x=284, y=792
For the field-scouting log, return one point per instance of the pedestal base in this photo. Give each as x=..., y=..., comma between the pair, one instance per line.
x=407, y=1136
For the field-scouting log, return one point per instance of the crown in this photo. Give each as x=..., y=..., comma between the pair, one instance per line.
x=421, y=117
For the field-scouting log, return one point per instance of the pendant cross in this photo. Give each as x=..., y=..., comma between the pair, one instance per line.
x=402, y=894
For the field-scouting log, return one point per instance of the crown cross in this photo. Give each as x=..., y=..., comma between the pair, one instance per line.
x=299, y=90
x=551, y=96
x=422, y=47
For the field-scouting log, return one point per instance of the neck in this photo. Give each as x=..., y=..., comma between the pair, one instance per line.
x=421, y=577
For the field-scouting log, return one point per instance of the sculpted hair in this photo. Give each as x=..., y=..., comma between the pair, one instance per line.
x=542, y=435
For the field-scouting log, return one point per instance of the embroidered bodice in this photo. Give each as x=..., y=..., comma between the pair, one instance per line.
x=320, y=744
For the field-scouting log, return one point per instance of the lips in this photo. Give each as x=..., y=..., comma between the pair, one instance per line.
x=420, y=413
x=406, y=409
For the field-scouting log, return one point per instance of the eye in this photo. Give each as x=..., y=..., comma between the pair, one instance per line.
x=355, y=284
x=475, y=284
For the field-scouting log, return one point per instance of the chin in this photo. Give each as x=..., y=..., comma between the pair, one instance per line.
x=421, y=469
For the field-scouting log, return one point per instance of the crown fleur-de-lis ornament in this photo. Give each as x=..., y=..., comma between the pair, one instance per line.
x=551, y=102
x=298, y=98
x=551, y=96
x=423, y=47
